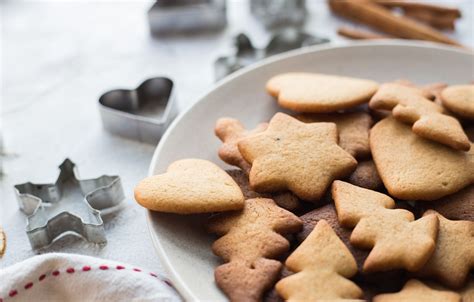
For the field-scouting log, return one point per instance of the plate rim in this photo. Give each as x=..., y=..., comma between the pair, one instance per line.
x=178, y=283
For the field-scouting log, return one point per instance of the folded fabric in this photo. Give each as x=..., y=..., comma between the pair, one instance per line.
x=71, y=277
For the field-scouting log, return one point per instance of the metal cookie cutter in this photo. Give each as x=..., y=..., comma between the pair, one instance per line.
x=142, y=114
x=246, y=54
x=174, y=16
x=68, y=205
x=274, y=13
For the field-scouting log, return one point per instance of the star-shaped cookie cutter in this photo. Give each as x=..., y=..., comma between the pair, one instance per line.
x=245, y=53
x=70, y=205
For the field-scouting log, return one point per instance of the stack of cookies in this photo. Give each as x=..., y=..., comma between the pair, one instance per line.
x=365, y=192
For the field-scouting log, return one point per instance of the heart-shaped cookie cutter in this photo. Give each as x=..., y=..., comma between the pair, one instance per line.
x=68, y=205
x=141, y=114
x=246, y=53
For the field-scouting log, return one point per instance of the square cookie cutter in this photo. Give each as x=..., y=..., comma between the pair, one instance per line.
x=141, y=114
x=245, y=53
x=69, y=205
x=176, y=16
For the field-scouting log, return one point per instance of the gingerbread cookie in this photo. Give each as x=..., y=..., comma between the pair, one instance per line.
x=413, y=168
x=322, y=266
x=460, y=100
x=3, y=242
x=430, y=91
x=292, y=155
x=286, y=200
x=328, y=213
x=319, y=93
x=190, y=186
x=396, y=239
x=353, y=129
x=272, y=295
x=250, y=240
x=230, y=131
x=416, y=291
x=458, y=206
x=409, y=105
x=366, y=176
x=371, y=283
x=454, y=255
x=435, y=90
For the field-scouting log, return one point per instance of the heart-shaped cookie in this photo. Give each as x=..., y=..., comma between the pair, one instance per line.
x=190, y=186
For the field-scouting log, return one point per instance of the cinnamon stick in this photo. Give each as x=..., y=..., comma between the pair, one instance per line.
x=436, y=9
x=357, y=34
x=439, y=22
x=380, y=18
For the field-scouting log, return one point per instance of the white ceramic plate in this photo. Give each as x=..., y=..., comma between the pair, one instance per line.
x=182, y=244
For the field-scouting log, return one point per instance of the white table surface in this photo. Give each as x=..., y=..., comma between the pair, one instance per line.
x=59, y=57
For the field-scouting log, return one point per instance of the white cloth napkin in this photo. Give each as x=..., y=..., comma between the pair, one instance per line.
x=71, y=277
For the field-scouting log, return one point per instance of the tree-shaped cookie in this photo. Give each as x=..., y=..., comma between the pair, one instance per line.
x=230, y=131
x=303, y=158
x=322, y=264
x=415, y=291
x=250, y=240
x=409, y=105
x=454, y=254
x=396, y=239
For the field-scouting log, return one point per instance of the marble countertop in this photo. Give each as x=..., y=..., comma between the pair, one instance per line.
x=59, y=57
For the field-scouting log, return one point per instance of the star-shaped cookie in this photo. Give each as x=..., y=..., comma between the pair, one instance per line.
x=454, y=254
x=292, y=155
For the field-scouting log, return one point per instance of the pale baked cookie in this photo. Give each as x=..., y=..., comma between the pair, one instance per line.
x=459, y=99
x=435, y=90
x=292, y=155
x=286, y=200
x=396, y=239
x=230, y=131
x=413, y=168
x=415, y=291
x=454, y=255
x=250, y=240
x=353, y=129
x=322, y=266
x=366, y=176
x=190, y=186
x=3, y=242
x=430, y=91
x=319, y=93
x=328, y=213
x=371, y=283
x=409, y=105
